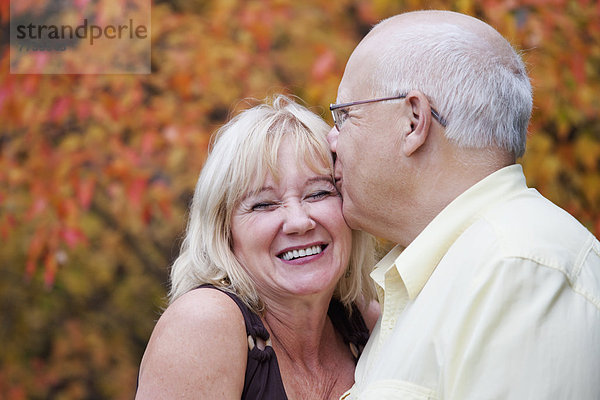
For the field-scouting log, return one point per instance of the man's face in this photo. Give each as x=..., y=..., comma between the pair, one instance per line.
x=367, y=166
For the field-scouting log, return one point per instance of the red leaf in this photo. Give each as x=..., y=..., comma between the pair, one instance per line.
x=83, y=109
x=323, y=65
x=4, y=94
x=366, y=13
x=17, y=393
x=31, y=84
x=85, y=192
x=72, y=236
x=80, y=4
x=51, y=267
x=67, y=208
x=578, y=67
x=147, y=214
x=36, y=246
x=148, y=143
x=5, y=11
x=30, y=268
x=37, y=208
x=60, y=109
x=136, y=191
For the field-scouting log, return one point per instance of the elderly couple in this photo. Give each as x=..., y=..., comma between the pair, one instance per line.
x=492, y=292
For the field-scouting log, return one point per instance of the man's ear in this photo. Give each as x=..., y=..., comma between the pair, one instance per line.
x=420, y=122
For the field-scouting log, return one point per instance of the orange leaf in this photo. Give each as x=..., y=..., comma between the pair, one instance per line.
x=165, y=207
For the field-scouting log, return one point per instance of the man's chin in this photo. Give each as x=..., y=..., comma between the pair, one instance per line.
x=349, y=214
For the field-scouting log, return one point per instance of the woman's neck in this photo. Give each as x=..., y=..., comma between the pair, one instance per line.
x=300, y=331
x=313, y=359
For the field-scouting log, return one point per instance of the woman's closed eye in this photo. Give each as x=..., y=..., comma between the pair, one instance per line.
x=321, y=194
x=264, y=206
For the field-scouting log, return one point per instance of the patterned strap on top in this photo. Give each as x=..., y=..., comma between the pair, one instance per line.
x=352, y=327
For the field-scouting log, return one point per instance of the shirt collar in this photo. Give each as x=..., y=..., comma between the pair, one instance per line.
x=384, y=265
x=418, y=261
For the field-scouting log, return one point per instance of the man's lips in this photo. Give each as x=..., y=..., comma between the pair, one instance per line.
x=337, y=176
x=337, y=171
x=338, y=182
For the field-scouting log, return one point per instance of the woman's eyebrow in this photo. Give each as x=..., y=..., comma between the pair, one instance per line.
x=259, y=191
x=321, y=178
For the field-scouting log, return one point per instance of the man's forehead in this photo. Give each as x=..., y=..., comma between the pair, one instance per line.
x=343, y=93
x=357, y=77
x=348, y=90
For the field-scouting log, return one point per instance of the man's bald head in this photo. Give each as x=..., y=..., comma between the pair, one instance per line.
x=470, y=73
x=435, y=17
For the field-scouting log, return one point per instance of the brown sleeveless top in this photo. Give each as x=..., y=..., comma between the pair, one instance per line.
x=263, y=378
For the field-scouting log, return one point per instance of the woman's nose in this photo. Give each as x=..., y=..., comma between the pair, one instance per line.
x=297, y=219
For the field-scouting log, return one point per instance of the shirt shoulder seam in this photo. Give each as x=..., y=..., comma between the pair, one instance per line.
x=594, y=300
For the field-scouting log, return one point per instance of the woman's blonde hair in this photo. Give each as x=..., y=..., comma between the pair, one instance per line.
x=244, y=151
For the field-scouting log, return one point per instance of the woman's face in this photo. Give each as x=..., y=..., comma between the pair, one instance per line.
x=290, y=235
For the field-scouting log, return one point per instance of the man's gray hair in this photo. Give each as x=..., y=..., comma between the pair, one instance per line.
x=481, y=90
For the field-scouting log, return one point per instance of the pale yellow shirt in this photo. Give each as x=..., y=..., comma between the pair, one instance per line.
x=498, y=298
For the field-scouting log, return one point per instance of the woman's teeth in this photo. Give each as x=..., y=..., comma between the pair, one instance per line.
x=293, y=254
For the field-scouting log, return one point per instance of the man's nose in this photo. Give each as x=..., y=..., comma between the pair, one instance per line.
x=332, y=138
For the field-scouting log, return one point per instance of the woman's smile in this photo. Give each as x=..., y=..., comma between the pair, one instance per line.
x=303, y=253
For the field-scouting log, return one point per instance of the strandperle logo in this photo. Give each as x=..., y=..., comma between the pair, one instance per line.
x=79, y=37
x=83, y=31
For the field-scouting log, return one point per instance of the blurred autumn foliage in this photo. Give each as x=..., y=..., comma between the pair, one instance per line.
x=96, y=171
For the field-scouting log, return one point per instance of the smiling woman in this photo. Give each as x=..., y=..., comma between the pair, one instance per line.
x=270, y=296
x=287, y=218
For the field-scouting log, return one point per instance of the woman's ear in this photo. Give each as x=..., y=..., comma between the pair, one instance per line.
x=420, y=122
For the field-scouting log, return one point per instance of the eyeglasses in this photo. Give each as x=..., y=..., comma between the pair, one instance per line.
x=340, y=114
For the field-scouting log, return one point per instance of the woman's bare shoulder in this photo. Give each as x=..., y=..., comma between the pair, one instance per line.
x=203, y=305
x=198, y=349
